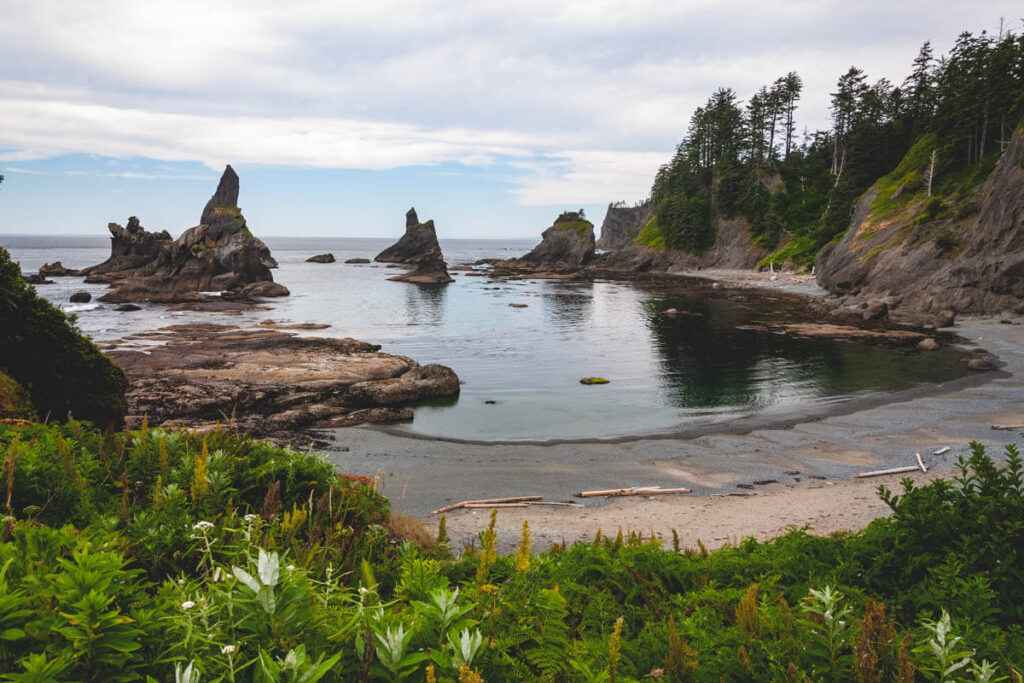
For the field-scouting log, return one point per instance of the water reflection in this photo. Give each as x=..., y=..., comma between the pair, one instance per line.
x=568, y=306
x=425, y=304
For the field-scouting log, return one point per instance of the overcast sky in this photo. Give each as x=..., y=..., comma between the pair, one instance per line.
x=489, y=117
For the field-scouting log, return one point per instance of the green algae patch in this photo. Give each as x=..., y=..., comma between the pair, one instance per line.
x=593, y=380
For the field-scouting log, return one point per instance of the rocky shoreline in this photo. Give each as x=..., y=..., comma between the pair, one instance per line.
x=269, y=383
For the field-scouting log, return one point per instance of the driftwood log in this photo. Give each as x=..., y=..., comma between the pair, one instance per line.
x=486, y=502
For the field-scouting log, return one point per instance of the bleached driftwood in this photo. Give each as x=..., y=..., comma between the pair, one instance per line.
x=942, y=451
x=491, y=506
x=633, y=491
x=920, y=463
x=486, y=501
x=880, y=473
x=1007, y=426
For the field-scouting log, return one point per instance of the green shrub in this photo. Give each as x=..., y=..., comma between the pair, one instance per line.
x=62, y=371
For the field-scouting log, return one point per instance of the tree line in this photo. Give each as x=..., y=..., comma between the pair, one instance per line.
x=736, y=155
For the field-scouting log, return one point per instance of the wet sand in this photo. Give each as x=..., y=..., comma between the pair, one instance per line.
x=813, y=457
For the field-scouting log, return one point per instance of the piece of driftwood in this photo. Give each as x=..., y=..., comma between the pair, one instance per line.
x=554, y=503
x=486, y=501
x=942, y=451
x=895, y=470
x=636, y=491
x=920, y=463
x=1007, y=426
x=491, y=506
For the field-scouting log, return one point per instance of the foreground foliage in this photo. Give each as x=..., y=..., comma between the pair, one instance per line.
x=60, y=370
x=183, y=557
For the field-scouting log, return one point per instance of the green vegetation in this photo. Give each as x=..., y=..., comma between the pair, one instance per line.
x=167, y=554
x=938, y=134
x=62, y=371
x=573, y=220
x=15, y=402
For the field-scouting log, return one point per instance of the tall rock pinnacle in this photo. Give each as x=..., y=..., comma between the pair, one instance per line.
x=226, y=195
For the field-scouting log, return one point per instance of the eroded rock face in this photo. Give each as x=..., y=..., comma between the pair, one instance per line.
x=622, y=224
x=418, y=244
x=217, y=255
x=275, y=384
x=984, y=273
x=567, y=245
x=418, y=247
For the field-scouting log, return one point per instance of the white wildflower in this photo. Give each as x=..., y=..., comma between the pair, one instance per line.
x=227, y=650
x=251, y=517
x=362, y=590
x=187, y=605
x=290, y=567
x=202, y=525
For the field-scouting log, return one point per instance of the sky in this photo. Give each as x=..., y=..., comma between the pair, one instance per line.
x=488, y=117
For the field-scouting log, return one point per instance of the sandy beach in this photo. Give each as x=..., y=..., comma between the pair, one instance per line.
x=810, y=458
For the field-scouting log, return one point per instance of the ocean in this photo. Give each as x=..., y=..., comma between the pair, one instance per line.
x=520, y=367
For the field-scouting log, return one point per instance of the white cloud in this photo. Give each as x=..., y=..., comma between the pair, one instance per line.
x=599, y=90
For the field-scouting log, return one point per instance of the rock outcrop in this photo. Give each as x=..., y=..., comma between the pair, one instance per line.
x=622, y=224
x=321, y=258
x=269, y=383
x=418, y=247
x=567, y=245
x=972, y=261
x=734, y=248
x=418, y=244
x=57, y=269
x=219, y=254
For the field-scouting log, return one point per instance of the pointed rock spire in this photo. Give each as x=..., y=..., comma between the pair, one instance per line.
x=226, y=194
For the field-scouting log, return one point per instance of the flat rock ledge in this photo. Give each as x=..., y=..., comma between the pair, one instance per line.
x=267, y=383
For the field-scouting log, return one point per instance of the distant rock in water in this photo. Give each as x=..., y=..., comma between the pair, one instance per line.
x=568, y=244
x=218, y=255
x=622, y=224
x=81, y=297
x=418, y=244
x=418, y=247
x=321, y=258
x=38, y=279
x=57, y=269
x=357, y=260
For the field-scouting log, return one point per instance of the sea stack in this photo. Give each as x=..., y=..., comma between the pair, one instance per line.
x=567, y=245
x=219, y=254
x=418, y=247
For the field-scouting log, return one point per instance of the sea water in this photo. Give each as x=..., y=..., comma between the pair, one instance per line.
x=520, y=367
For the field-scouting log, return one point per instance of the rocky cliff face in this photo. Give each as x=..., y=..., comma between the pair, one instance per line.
x=567, y=245
x=219, y=254
x=733, y=248
x=622, y=224
x=972, y=261
x=418, y=247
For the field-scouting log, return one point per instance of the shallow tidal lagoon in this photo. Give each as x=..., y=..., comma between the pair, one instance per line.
x=521, y=366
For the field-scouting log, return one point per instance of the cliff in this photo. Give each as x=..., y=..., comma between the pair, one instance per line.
x=622, y=224
x=963, y=252
x=733, y=248
x=219, y=254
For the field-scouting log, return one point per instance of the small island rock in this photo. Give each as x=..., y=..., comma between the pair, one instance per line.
x=80, y=297
x=418, y=247
x=321, y=258
x=357, y=260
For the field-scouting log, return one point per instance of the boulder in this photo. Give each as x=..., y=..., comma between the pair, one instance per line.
x=418, y=244
x=262, y=289
x=945, y=318
x=321, y=258
x=80, y=297
x=980, y=364
x=38, y=279
x=357, y=260
x=928, y=344
x=217, y=255
x=127, y=308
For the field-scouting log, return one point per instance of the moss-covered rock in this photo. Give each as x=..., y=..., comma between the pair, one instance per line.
x=62, y=371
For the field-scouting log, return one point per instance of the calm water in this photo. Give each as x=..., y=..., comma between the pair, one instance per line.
x=666, y=373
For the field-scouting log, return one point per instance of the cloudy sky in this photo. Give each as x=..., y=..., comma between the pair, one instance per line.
x=489, y=117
